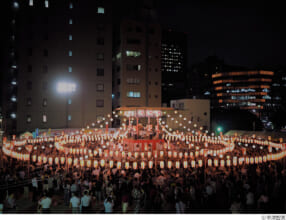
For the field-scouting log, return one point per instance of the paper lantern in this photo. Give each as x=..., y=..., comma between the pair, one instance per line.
x=143, y=165
x=150, y=164
x=82, y=163
x=180, y=155
x=155, y=154
x=62, y=160
x=222, y=163
x=209, y=162
x=161, y=153
x=162, y=164
x=169, y=164
x=247, y=160
x=111, y=153
x=45, y=159
x=118, y=165
x=185, y=164
x=123, y=154
x=234, y=161
x=264, y=159
x=149, y=154
x=169, y=154
x=116, y=153
x=228, y=162
x=216, y=162
x=129, y=154
x=136, y=155
x=177, y=164
x=69, y=161
x=197, y=153
x=95, y=163
x=127, y=165
x=102, y=163
x=200, y=163
x=105, y=154
x=39, y=159
x=135, y=165
x=193, y=164
x=50, y=160
x=111, y=164
x=94, y=152
x=251, y=160
x=260, y=159
x=34, y=158
x=142, y=155
x=186, y=155
x=175, y=154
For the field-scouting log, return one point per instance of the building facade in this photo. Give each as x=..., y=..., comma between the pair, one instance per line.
x=137, y=65
x=242, y=89
x=62, y=70
x=190, y=115
x=174, y=66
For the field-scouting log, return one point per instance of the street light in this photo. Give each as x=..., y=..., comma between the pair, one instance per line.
x=66, y=88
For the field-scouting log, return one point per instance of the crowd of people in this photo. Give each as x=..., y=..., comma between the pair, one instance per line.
x=242, y=189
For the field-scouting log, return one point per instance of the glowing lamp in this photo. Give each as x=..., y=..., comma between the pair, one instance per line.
x=82, y=163
x=102, y=163
x=135, y=165
x=62, y=160
x=161, y=153
x=256, y=160
x=177, y=164
x=175, y=154
x=251, y=160
x=118, y=165
x=69, y=161
x=169, y=154
x=142, y=154
x=126, y=165
x=162, y=164
x=185, y=164
x=50, y=160
x=143, y=165
x=149, y=154
x=150, y=164
x=34, y=158
x=136, y=155
x=111, y=164
x=247, y=160
x=45, y=159
x=216, y=162
x=222, y=163
x=180, y=155
x=209, y=162
x=200, y=163
x=169, y=164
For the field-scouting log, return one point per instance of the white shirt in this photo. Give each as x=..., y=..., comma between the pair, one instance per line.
x=35, y=182
x=85, y=201
x=75, y=202
x=46, y=203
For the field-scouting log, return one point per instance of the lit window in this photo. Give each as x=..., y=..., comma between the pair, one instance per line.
x=70, y=21
x=13, y=99
x=45, y=118
x=69, y=101
x=66, y=87
x=133, y=67
x=70, y=37
x=100, y=10
x=29, y=119
x=31, y=3
x=131, y=94
x=132, y=53
x=16, y=5
x=45, y=102
x=13, y=115
x=118, y=56
x=70, y=69
x=46, y=3
x=70, y=53
x=100, y=87
x=69, y=117
x=71, y=5
x=14, y=82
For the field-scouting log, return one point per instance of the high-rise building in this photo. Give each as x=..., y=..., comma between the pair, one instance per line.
x=174, y=61
x=243, y=89
x=60, y=67
x=137, y=64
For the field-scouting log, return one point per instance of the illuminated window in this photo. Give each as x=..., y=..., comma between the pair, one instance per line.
x=31, y=3
x=45, y=118
x=133, y=67
x=46, y=3
x=70, y=37
x=100, y=10
x=71, y=5
x=29, y=119
x=70, y=53
x=69, y=117
x=13, y=99
x=70, y=21
x=131, y=94
x=118, y=56
x=100, y=87
x=69, y=101
x=133, y=53
x=45, y=102
x=70, y=69
x=16, y=5
x=13, y=115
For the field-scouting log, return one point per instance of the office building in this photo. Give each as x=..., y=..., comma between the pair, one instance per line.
x=174, y=61
x=242, y=89
x=137, y=64
x=60, y=67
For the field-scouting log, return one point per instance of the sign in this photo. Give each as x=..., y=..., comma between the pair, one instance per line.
x=140, y=113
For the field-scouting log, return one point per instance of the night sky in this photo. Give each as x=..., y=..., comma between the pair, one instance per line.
x=245, y=33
